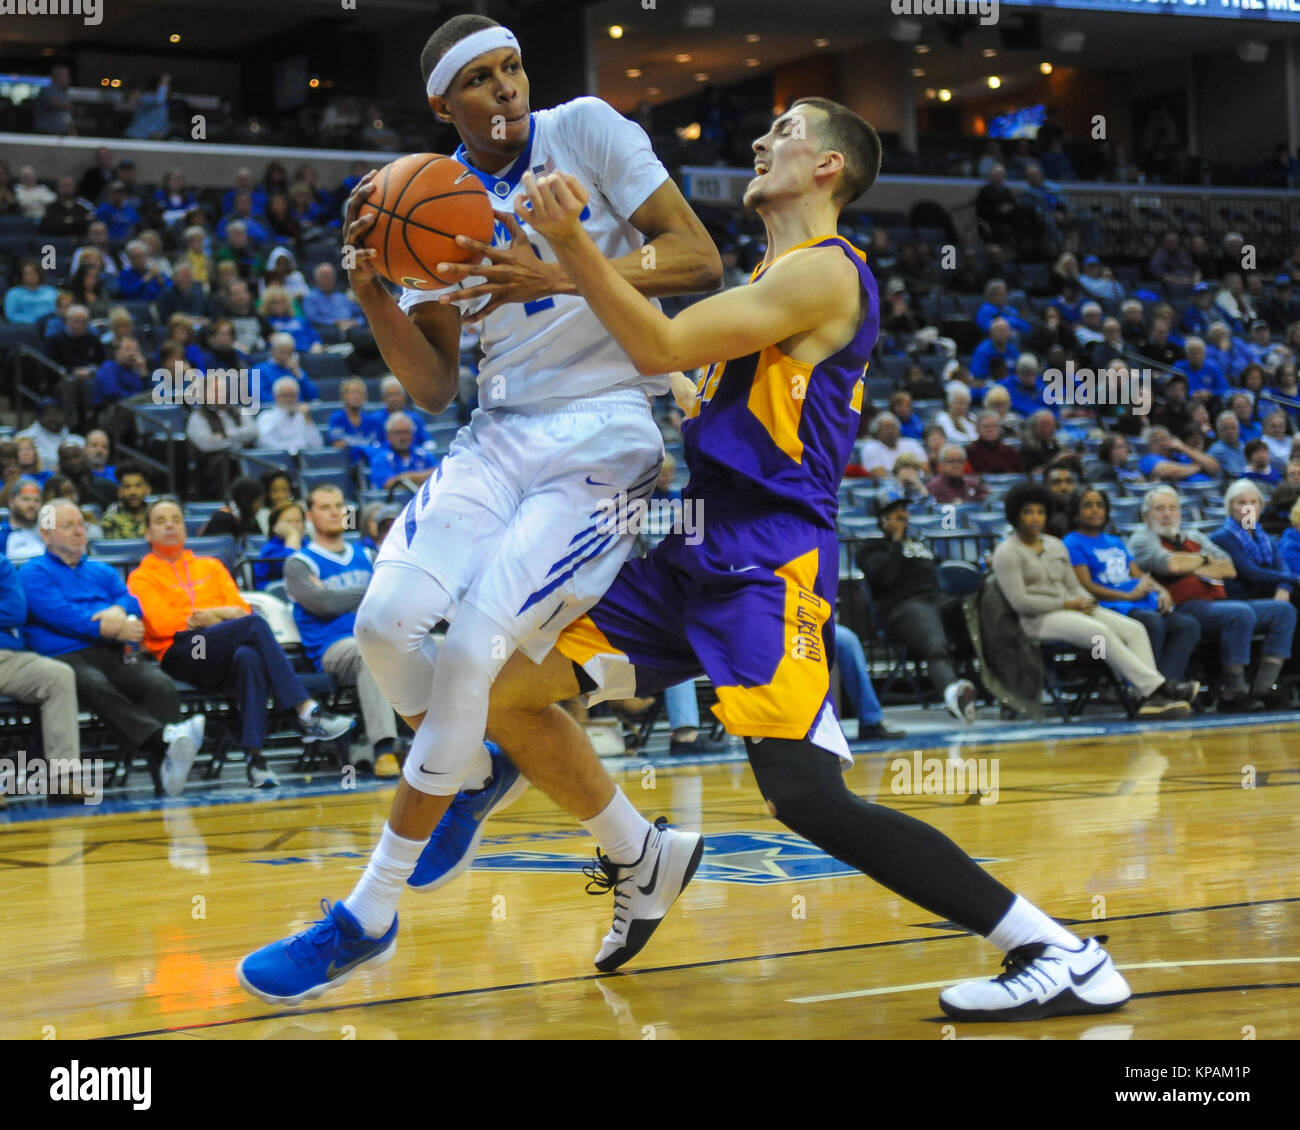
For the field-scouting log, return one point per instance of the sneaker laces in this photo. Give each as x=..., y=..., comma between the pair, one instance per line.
x=603, y=877
x=323, y=932
x=1018, y=968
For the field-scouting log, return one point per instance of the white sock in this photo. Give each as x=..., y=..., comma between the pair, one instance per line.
x=304, y=712
x=1024, y=924
x=479, y=772
x=373, y=901
x=619, y=829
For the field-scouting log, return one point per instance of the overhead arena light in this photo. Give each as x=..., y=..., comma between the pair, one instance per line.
x=698, y=15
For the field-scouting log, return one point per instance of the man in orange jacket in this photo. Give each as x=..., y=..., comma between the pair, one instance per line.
x=200, y=629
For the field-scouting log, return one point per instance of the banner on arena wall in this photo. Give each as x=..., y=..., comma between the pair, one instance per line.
x=1285, y=10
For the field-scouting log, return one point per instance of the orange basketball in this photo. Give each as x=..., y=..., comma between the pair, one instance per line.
x=424, y=202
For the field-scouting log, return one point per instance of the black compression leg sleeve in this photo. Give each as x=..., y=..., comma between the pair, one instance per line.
x=806, y=787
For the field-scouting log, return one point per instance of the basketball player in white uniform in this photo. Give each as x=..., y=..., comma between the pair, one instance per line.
x=510, y=540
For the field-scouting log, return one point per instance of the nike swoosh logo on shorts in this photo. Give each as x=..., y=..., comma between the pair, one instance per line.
x=592, y=482
x=654, y=877
x=432, y=772
x=1079, y=980
x=746, y=569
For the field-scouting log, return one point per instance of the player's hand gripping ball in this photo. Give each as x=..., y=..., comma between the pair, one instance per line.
x=420, y=204
x=554, y=204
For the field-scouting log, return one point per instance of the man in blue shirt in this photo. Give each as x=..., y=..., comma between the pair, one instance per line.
x=242, y=212
x=1028, y=389
x=79, y=611
x=326, y=581
x=124, y=376
x=395, y=399
x=1227, y=448
x=997, y=344
x=139, y=282
x=396, y=460
x=284, y=362
x=350, y=426
x=118, y=214
x=328, y=309
x=996, y=306
x=1172, y=461
x=1205, y=381
x=31, y=678
x=244, y=183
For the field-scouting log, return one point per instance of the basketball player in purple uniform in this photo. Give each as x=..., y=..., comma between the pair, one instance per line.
x=752, y=604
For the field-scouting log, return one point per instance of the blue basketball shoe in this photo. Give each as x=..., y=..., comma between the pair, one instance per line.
x=451, y=848
x=295, y=969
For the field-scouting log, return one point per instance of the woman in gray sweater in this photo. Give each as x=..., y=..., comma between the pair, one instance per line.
x=1034, y=573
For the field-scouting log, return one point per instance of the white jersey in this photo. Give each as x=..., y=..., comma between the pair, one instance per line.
x=555, y=347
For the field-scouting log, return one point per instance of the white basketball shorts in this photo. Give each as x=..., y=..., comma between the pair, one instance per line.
x=522, y=517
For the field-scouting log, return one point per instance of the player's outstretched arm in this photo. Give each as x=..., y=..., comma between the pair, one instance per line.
x=797, y=294
x=423, y=351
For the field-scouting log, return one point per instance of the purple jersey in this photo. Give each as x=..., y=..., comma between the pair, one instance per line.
x=773, y=433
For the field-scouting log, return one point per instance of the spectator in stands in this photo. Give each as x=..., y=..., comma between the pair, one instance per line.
x=1157, y=344
x=201, y=630
x=306, y=212
x=32, y=679
x=48, y=432
x=28, y=457
x=98, y=452
x=921, y=385
x=1088, y=332
x=1259, y=465
x=117, y=213
x=1242, y=404
x=997, y=344
x=238, y=518
x=1202, y=313
x=96, y=179
x=287, y=425
x=280, y=221
x=111, y=261
x=877, y=454
x=180, y=337
x=329, y=309
x=125, y=518
x=1282, y=307
x=1260, y=347
x=184, y=296
x=912, y=474
x=989, y=455
x=33, y=197
x=198, y=256
x=222, y=352
x=1131, y=322
x=1099, y=283
x=239, y=249
x=904, y=579
x=287, y=523
x=1204, y=380
x=997, y=399
x=351, y=426
x=284, y=362
x=1107, y=570
x=398, y=461
x=139, y=282
x=244, y=183
x=1285, y=385
x=1039, y=445
x=1194, y=570
x=251, y=329
x=1053, y=208
x=996, y=306
x=1172, y=460
x=77, y=349
x=277, y=308
x=80, y=612
x=957, y=424
x=121, y=378
x=65, y=214
x=20, y=540
x=88, y=286
x=59, y=486
x=1113, y=455
x=1172, y=265
x=1174, y=411
x=1050, y=333
x=242, y=215
x=1227, y=449
x=1033, y=571
x=952, y=484
x=218, y=431
x=31, y=298
x=53, y=106
x=150, y=118
x=1289, y=543
x=326, y=581
x=1061, y=483
x=395, y=399
x=910, y=424
x=1027, y=389
x=90, y=487
x=173, y=201
x=997, y=207
x=282, y=271
x=1219, y=350
x=1276, y=439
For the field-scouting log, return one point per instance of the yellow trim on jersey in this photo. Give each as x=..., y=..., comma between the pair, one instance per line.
x=708, y=385
x=788, y=706
x=777, y=397
x=582, y=642
x=859, y=391
x=807, y=243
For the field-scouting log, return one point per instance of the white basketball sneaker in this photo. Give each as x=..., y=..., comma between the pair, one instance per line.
x=643, y=891
x=1039, y=981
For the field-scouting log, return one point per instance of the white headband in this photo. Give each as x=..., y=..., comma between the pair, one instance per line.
x=466, y=50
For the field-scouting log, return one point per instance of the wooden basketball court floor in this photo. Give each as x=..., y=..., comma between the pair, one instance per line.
x=130, y=924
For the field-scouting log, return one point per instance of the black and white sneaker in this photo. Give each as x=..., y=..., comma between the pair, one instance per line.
x=1039, y=981
x=643, y=891
x=319, y=726
x=959, y=700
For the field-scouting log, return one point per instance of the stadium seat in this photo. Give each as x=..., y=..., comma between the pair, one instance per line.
x=322, y=366
x=221, y=546
x=256, y=461
x=331, y=476
x=325, y=459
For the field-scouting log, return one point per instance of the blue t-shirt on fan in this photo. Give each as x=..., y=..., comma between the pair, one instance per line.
x=1109, y=564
